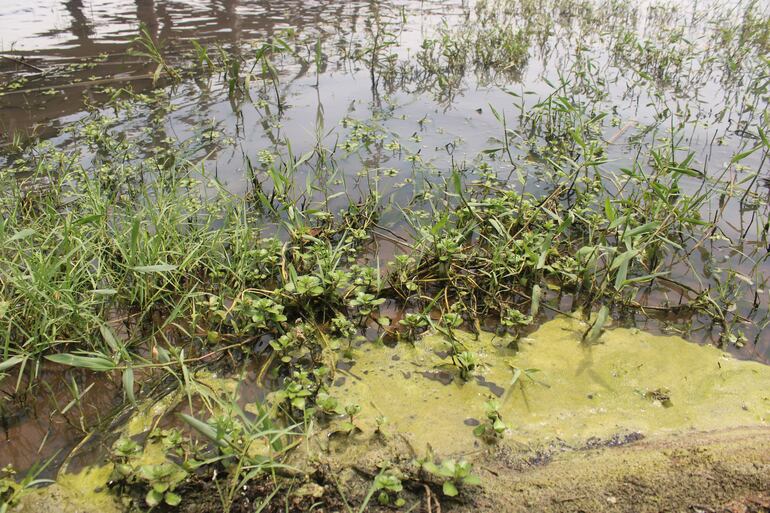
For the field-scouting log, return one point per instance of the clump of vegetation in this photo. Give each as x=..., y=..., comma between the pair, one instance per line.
x=494, y=426
x=455, y=475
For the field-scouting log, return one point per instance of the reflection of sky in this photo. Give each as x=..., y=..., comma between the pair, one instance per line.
x=45, y=25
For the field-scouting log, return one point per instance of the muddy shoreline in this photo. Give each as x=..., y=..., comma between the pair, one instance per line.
x=719, y=471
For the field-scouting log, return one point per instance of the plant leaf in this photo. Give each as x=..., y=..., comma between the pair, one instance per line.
x=158, y=268
x=203, y=428
x=95, y=363
x=595, y=331
x=128, y=384
x=22, y=234
x=11, y=362
x=172, y=499
x=534, y=307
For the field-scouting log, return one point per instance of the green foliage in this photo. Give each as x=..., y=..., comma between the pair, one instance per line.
x=455, y=475
x=365, y=303
x=493, y=427
x=12, y=490
x=389, y=486
x=156, y=480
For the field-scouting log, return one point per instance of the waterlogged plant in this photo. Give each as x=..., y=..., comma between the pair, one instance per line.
x=328, y=404
x=365, y=304
x=466, y=362
x=413, y=323
x=264, y=313
x=519, y=373
x=455, y=475
x=514, y=319
x=151, y=49
x=305, y=285
x=158, y=479
x=247, y=446
x=343, y=327
x=162, y=479
x=297, y=390
x=12, y=490
x=494, y=427
x=293, y=344
x=351, y=410
x=450, y=321
x=389, y=487
x=135, y=233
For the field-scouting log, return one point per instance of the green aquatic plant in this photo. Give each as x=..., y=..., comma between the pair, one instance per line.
x=389, y=486
x=162, y=479
x=12, y=489
x=365, y=303
x=151, y=49
x=455, y=475
x=156, y=480
x=413, y=322
x=493, y=427
x=305, y=285
x=466, y=362
x=123, y=254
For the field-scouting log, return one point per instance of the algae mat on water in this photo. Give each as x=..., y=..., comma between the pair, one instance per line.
x=555, y=394
x=555, y=388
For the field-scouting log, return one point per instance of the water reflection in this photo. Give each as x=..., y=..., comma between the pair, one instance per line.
x=81, y=26
x=74, y=32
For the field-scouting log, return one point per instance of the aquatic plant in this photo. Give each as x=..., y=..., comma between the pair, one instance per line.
x=455, y=475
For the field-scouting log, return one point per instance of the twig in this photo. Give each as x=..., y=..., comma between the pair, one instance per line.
x=23, y=63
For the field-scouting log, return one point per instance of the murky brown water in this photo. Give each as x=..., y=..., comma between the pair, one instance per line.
x=76, y=47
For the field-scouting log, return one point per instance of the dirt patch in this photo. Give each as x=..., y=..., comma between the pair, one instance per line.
x=717, y=471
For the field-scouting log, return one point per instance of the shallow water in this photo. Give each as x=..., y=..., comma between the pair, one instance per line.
x=440, y=124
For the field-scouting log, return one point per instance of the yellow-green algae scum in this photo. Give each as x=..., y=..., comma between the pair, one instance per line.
x=87, y=491
x=615, y=386
x=580, y=392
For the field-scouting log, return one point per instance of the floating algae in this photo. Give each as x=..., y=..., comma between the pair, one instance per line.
x=629, y=382
x=87, y=491
x=84, y=492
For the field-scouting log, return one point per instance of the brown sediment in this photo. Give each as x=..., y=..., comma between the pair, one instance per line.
x=726, y=470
